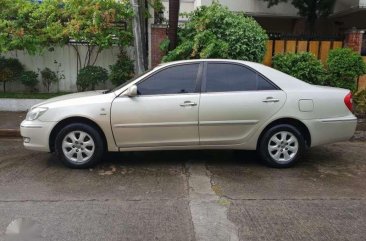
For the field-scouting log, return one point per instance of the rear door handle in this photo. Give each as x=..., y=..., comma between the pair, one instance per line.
x=270, y=100
x=188, y=103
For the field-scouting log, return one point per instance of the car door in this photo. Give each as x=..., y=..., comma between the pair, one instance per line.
x=235, y=101
x=164, y=113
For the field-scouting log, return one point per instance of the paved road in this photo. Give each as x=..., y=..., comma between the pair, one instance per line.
x=208, y=195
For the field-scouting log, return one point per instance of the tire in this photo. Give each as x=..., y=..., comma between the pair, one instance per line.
x=79, y=146
x=281, y=146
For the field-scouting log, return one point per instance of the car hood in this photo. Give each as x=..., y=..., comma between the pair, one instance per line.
x=70, y=97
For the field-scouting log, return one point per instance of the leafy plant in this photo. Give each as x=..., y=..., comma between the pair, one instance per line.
x=10, y=70
x=344, y=66
x=16, y=30
x=122, y=70
x=164, y=45
x=159, y=8
x=304, y=66
x=360, y=102
x=33, y=26
x=48, y=78
x=216, y=32
x=29, y=79
x=90, y=76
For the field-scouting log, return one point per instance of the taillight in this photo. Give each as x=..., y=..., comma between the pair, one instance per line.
x=348, y=101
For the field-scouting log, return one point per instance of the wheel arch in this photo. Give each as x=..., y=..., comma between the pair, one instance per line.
x=304, y=130
x=72, y=120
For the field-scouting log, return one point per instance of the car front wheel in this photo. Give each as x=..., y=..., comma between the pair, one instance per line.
x=79, y=146
x=281, y=146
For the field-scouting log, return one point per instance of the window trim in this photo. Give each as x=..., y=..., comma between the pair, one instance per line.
x=198, y=80
x=204, y=78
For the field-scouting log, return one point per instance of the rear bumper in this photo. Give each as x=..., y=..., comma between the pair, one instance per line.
x=325, y=131
x=36, y=134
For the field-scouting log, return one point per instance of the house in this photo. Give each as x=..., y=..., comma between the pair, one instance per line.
x=284, y=18
x=347, y=21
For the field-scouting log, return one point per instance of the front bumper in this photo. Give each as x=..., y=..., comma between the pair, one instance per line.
x=325, y=131
x=36, y=134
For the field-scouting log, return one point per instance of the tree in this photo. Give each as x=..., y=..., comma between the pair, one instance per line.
x=91, y=76
x=312, y=10
x=304, y=66
x=122, y=70
x=173, y=23
x=16, y=30
x=344, y=67
x=216, y=32
x=10, y=70
x=29, y=79
x=48, y=78
x=97, y=25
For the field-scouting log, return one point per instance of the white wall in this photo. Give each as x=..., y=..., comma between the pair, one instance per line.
x=64, y=60
x=251, y=7
x=258, y=8
x=186, y=6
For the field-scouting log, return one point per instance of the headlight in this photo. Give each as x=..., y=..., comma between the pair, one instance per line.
x=35, y=113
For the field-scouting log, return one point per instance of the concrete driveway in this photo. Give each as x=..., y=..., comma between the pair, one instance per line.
x=205, y=195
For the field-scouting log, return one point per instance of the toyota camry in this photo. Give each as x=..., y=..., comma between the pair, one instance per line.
x=195, y=104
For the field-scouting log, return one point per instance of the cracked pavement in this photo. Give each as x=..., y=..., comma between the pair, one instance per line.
x=187, y=195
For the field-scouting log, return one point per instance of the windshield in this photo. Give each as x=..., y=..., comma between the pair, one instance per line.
x=127, y=82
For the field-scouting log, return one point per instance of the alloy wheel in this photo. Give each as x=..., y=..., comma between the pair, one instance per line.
x=78, y=146
x=283, y=146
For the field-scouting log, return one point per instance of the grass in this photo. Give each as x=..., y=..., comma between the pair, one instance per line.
x=31, y=95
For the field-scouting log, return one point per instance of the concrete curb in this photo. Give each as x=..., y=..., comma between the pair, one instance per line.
x=18, y=104
x=5, y=133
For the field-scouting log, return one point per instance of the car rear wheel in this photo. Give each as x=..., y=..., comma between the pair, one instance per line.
x=79, y=146
x=281, y=146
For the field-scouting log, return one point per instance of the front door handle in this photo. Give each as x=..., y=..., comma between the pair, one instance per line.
x=188, y=103
x=270, y=100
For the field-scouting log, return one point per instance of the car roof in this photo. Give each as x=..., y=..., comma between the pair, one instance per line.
x=282, y=80
x=201, y=60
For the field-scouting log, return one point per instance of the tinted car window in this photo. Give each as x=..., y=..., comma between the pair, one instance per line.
x=222, y=77
x=173, y=80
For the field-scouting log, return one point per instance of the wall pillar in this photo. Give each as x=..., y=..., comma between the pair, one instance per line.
x=354, y=39
x=158, y=34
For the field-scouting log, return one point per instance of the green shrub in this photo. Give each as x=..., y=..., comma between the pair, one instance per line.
x=360, y=102
x=48, y=77
x=29, y=79
x=216, y=32
x=122, y=70
x=10, y=70
x=344, y=66
x=90, y=76
x=304, y=66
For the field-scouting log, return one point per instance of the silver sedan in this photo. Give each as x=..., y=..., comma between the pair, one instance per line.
x=196, y=104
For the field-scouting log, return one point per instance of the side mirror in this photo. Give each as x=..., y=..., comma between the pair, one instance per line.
x=132, y=91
